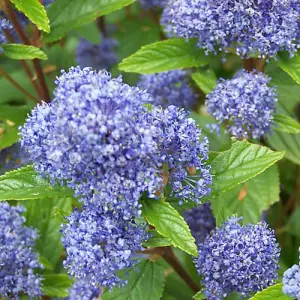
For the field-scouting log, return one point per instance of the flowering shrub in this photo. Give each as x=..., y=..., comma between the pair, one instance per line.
x=149, y=149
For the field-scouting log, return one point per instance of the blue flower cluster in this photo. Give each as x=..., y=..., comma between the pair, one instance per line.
x=255, y=27
x=201, y=221
x=17, y=259
x=4, y=25
x=245, y=102
x=98, y=57
x=150, y=4
x=235, y=258
x=291, y=282
x=169, y=88
x=82, y=291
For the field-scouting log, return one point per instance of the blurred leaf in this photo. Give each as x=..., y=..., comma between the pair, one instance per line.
x=16, y=114
x=293, y=224
x=9, y=134
x=290, y=65
x=145, y=281
x=46, y=263
x=285, y=123
x=89, y=32
x=26, y=184
x=66, y=15
x=164, y=56
x=169, y=223
x=35, y=12
x=56, y=285
x=22, y=52
x=206, y=79
x=271, y=293
x=157, y=240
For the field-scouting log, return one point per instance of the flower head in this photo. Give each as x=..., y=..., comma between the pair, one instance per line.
x=246, y=102
x=17, y=259
x=82, y=291
x=255, y=27
x=169, y=88
x=235, y=258
x=4, y=25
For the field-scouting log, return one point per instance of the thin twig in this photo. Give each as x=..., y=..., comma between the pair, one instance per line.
x=101, y=26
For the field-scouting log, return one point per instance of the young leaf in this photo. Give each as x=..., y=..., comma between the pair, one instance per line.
x=66, y=15
x=290, y=65
x=169, y=223
x=157, y=240
x=35, y=12
x=56, y=285
x=199, y=296
x=20, y=52
x=26, y=184
x=271, y=293
x=285, y=123
x=164, y=56
x=206, y=80
x=145, y=281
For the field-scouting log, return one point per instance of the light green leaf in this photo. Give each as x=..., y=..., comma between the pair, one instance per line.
x=170, y=224
x=66, y=15
x=25, y=184
x=145, y=281
x=164, y=56
x=285, y=123
x=206, y=79
x=56, y=285
x=271, y=293
x=20, y=52
x=290, y=65
x=199, y=296
x=157, y=240
x=35, y=12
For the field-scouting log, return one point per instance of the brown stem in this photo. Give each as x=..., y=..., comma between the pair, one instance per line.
x=260, y=65
x=36, y=64
x=248, y=64
x=17, y=85
x=128, y=12
x=101, y=26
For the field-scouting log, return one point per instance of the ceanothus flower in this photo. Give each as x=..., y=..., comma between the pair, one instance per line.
x=235, y=258
x=150, y=4
x=17, y=259
x=4, y=25
x=201, y=221
x=169, y=88
x=82, y=291
x=245, y=102
x=255, y=27
x=101, y=56
x=99, y=243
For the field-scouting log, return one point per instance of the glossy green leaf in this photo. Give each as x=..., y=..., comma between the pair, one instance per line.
x=56, y=285
x=164, y=56
x=22, y=52
x=170, y=224
x=157, y=240
x=145, y=281
x=25, y=184
x=290, y=65
x=283, y=123
x=271, y=293
x=35, y=12
x=66, y=15
x=206, y=79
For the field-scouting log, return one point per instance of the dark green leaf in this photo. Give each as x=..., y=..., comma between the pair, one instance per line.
x=271, y=293
x=285, y=123
x=25, y=184
x=170, y=224
x=290, y=65
x=21, y=52
x=164, y=56
x=9, y=134
x=16, y=114
x=56, y=285
x=35, y=12
x=46, y=263
x=206, y=79
x=145, y=281
x=66, y=15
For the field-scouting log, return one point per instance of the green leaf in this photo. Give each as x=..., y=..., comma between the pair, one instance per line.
x=164, y=56
x=206, y=79
x=285, y=123
x=9, y=134
x=16, y=114
x=20, y=52
x=25, y=184
x=250, y=199
x=199, y=296
x=145, y=281
x=56, y=285
x=35, y=12
x=46, y=263
x=66, y=15
x=290, y=65
x=169, y=223
x=240, y=163
x=271, y=293
x=157, y=240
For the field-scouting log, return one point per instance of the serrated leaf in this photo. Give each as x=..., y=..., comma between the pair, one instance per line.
x=250, y=199
x=240, y=163
x=145, y=281
x=285, y=123
x=164, y=56
x=35, y=12
x=25, y=184
x=157, y=240
x=271, y=293
x=170, y=224
x=56, y=285
x=21, y=52
x=290, y=65
x=66, y=15
x=206, y=79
